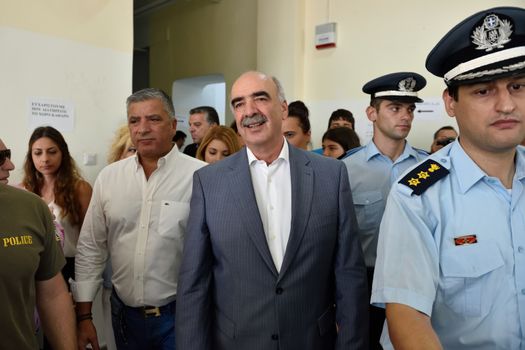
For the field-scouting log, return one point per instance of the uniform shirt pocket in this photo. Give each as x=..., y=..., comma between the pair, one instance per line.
x=369, y=208
x=470, y=273
x=173, y=218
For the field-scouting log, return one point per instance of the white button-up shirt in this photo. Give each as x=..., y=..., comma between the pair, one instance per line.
x=141, y=224
x=273, y=191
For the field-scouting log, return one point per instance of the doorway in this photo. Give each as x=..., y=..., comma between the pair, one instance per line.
x=207, y=90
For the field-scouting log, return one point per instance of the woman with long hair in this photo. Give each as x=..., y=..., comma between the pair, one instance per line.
x=218, y=143
x=51, y=173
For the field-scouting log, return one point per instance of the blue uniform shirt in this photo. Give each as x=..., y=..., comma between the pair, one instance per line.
x=371, y=175
x=457, y=253
x=318, y=150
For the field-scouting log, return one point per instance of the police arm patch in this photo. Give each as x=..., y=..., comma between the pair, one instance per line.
x=423, y=176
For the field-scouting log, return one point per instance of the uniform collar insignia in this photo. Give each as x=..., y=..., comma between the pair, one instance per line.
x=493, y=33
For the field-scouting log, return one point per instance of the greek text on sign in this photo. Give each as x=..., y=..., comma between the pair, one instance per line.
x=53, y=112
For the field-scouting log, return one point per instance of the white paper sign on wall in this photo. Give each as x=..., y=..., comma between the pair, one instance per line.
x=59, y=114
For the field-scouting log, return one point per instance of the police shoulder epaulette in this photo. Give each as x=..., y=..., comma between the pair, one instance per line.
x=423, y=176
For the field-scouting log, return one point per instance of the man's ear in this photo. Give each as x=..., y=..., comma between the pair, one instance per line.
x=371, y=113
x=284, y=107
x=173, y=123
x=450, y=103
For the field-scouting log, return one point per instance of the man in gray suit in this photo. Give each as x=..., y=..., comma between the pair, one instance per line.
x=271, y=257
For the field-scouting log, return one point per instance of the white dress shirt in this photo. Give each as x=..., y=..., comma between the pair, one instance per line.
x=273, y=191
x=141, y=224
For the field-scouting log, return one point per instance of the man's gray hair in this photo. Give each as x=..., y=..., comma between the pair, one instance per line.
x=280, y=90
x=152, y=94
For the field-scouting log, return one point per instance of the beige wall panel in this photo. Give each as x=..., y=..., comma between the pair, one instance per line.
x=76, y=51
x=103, y=23
x=376, y=37
x=201, y=37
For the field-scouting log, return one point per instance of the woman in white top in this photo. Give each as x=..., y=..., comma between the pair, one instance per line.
x=51, y=173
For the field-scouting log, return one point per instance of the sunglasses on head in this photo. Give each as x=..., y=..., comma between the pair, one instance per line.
x=4, y=154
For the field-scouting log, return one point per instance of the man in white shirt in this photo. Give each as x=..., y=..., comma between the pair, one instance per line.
x=271, y=258
x=137, y=215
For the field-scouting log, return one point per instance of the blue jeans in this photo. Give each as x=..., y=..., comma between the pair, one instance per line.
x=134, y=330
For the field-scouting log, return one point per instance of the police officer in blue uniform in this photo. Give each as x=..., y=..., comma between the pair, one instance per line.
x=373, y=168
x=451, y=256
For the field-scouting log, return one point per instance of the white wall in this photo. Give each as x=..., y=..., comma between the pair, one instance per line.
x=77, y=51
x=63, y=50
x=374, y=37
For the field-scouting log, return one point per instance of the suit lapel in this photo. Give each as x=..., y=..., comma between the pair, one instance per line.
x=244, y=197
x=302, y=179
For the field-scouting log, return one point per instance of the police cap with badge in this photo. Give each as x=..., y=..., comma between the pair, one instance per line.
x=402, y=86
x=486, y=46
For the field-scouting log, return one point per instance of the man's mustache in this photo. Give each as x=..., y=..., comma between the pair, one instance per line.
x=253, y=119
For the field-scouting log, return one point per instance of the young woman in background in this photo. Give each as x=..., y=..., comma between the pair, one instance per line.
x=218, y=143
x=51, y=173
x=338, y=141
x=296, y=128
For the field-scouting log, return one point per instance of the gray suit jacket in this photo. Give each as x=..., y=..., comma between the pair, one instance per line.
x=230, y=295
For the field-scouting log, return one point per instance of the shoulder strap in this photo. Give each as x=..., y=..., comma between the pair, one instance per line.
x=424, y=175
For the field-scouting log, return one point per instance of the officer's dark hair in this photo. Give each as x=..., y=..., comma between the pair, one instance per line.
x=211, y=114
x=453, y=92
x=297, y=109
x=343, y=114
x=376, y=102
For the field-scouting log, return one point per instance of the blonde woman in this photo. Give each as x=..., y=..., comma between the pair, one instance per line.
x=121, y=147
x=218, y=143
